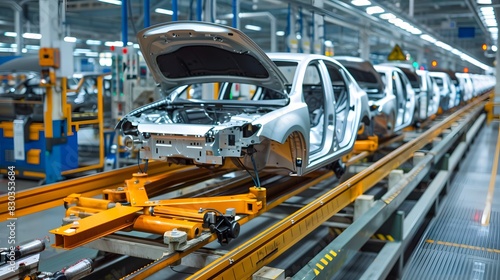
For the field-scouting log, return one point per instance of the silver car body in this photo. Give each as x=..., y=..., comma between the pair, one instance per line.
x=466, y=84
x=428, y=85
x=382, y=104
x=227, y=99
x=398, y=85
x=447, y=89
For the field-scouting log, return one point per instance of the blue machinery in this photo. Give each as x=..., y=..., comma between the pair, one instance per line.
x=48, y=150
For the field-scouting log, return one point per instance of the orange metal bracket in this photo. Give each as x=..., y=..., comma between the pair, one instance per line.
x=129, y=208
x=370, y=144
x=91, y=228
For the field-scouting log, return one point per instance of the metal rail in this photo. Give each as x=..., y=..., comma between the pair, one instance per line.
x=248, y=258
x=45, y=197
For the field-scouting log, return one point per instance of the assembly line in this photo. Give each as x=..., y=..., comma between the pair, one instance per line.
x=203, y=153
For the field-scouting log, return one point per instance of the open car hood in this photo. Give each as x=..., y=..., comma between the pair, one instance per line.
x=181, y=53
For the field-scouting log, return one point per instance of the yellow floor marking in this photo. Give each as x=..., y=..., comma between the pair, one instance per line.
x=485, y=219
x=465, y=246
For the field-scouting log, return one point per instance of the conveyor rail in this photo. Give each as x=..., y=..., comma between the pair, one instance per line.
x=42, y=198
x=248, y=258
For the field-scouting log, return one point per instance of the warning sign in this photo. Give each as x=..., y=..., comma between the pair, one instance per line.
x=396, y=54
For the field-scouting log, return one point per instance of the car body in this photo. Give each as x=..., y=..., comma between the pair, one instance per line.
x=466, y=84
x=230, y=104
x=427, y=84
x=82, y=92
x=398, y=85
x=447, y=89
x=422, y=95
x=18, y=87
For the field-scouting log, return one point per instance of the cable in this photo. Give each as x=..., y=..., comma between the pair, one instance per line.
x=246, y=169
x=189, y=273
x=131, y=16
x=139, y=162
x=255, y=171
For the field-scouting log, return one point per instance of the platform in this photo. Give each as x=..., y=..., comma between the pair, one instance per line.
x=457, y=245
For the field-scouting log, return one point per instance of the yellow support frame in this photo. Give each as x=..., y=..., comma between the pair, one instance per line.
x=144, y=214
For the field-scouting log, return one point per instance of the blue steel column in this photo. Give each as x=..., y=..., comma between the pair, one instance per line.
x=147, y=15
x=124, y=23
x=236, y=12
x=198, y=10
x=175, y=9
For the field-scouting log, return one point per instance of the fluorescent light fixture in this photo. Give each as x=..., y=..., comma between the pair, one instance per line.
x=361, y=3
x=484, y=2
x=387, y=16
x=491, y=22
x=114, y=2
x=428, y=38
x=487, y=11
x=32, y=47
x=253, y=27
x=396, y=21
x=81, y=50
x=113, y=43
x=92, y=54
x=280, y=33
x=489, y=16
x=415, y=31
x=7, y=50
x=493, y=29
x=164, y=11
x=136, y=46
x=457, y=52
x=24, y=50
x=328, y=43
x=70, y=39
x=93, y=42
x=443, y=45
x=10, y=34
x=35, y=36
x=374, y=10
x=494, y=48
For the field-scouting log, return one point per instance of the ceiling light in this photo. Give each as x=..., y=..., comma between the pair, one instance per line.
x=253, y=27
x=10, y=34
x=487, y=11
x=415, y=31
x=32, y=47
x=491, y=22
x=428, y=38
x=484, y=2
x=70, y=39
x=7, y=50
x=493, y=29
x=361, y=3
x=396, y=21
x=164, y=11
x=114, y=2
x=494, y=48
x=93, y=42
x=35, y=36
x=374, y=10
x=113, y=43
x=280, y=33
x=387, y=16
x=443, y=45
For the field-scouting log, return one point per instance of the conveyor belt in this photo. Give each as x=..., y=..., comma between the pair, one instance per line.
x=456, y=245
